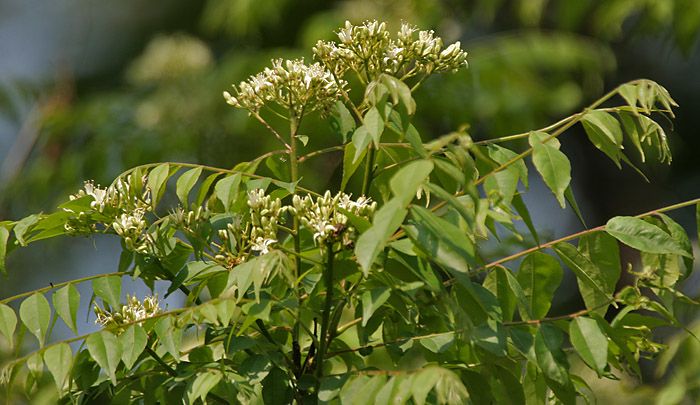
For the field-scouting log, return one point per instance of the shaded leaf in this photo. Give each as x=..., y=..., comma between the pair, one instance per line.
x=552, y=361
x=156, y=181
x=170, y=336
x=590, y=278
x=604, y=132
x=342, y=121
x=374, y=123
x=202, y=384
x=4, y=235
x=372, y=300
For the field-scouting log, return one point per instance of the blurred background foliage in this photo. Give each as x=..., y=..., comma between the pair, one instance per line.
x=121, y=84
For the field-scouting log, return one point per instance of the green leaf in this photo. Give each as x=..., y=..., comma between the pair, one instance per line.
x=423, y=383
x=405, y=183
x=505, y=181
x=552, y=361
x=679, y=235
x=350, y=165
x=4, y=236
x=413, y=137
x=372, y=300
x=360, y=140
x=571, y=199
x=276, y=389
x=441, y=240
x=109, y=289
x=603, y=251
x=522, y=210
x=388, y=218
x=604, y=132
x=23, y=226
x=540, y=276
x=66, y=302
x=503, y=279
x=35, y=313
x=8, y=323
x=438, y=343
x=399, y=92
x=590, y=343
x=342, y=121
x=156, y=181
x=205, y=188
x=592, y=283
x=170, y=336
x=644, y=236
x=227, y=189
x=106, y=351
x=185, y=183
x=374, y=123
x=132, y=341
x=553, y=165
x=58, y=359
x=201, y=385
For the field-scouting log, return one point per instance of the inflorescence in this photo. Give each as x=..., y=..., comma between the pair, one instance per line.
x=131, y=312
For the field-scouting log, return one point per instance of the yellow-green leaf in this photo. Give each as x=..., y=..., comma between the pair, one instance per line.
x=58, y=359
x=35, y=313
x=66, y=302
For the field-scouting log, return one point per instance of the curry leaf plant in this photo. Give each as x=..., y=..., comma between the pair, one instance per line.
x=383, y=290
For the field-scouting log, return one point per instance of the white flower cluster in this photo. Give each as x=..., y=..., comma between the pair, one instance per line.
x=369, y=49
x=133, y=311
x=324, y=215
x=125, y=209
x=264, y=217
x=292, y=84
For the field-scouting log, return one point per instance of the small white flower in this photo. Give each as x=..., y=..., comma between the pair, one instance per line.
x=262, y=245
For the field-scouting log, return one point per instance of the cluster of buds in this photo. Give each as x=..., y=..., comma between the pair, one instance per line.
x=133, y=311
x=114, y=197
x=131, y=228
x=264, y=217
x=369, y=49
x=325, y=216
x=292, y=84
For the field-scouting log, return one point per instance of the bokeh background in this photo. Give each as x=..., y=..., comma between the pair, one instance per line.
x=89, y=88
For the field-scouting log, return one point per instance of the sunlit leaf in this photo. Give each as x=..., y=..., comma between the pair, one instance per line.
x=8, y=323
x=590, y=343
x=58, y=359
x=35, y=313
x=156, y=181
x=106, y=351
x=185, y=183
x=374, y=123
x=132, y=341
x=643, y=236
x=540, y=276
x=202, y=384
x=553, y=165
x=604, y=132
x=372, y=300
x=109, y=289
x=66, y=302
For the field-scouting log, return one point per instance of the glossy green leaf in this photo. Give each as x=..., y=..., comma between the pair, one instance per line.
x=58, y=359
x=372, y=300
x=644, y=236
x=438, y=343
x=374, y=123
x=106, y=351
x=66, y=302
x=109, y=289
x=540, y=276
x=590, y=343
x=202, y=384
x=4, y=236
x=185, y=183
x=35, y=313
x=132, y=341
x=8, y=323
x=604, y=132
x=553, y=165
x=156, y=181
x=592, y=282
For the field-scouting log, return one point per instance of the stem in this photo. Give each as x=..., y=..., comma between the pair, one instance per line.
x=275, y=133
x=160, y=361
x=294, y=173
x=324, y=339
x=58, y=285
